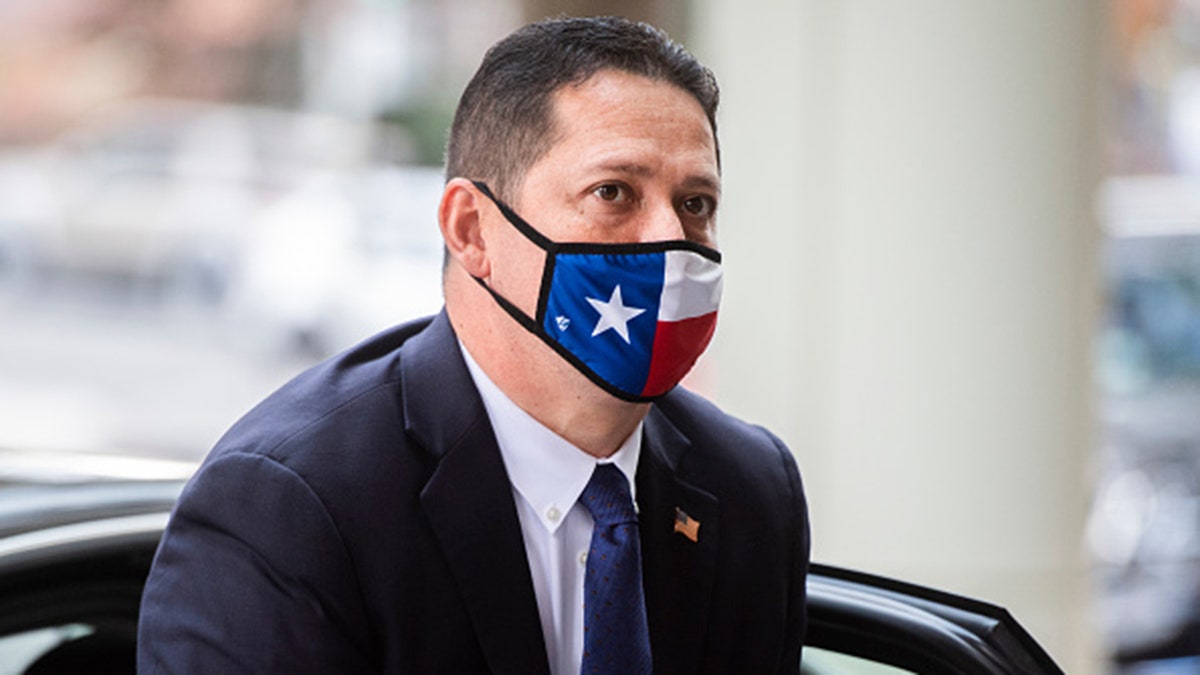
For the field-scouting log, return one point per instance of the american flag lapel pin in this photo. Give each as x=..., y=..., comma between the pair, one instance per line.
x=686, y=525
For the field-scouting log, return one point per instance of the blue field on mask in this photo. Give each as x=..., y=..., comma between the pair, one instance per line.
x=571, y=319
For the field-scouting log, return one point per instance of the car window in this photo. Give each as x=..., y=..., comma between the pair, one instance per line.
x=817, y=661
x=73, y=647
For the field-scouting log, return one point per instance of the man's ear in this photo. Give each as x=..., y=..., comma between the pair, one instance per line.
x=460, y=219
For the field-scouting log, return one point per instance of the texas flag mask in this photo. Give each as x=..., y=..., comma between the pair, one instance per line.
x=633, y=318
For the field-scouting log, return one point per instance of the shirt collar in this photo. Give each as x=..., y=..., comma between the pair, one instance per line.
x=544, y=468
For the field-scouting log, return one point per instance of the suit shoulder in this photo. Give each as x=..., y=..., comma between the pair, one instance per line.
x=360, y=382
x=703, y=420
x=733, y=456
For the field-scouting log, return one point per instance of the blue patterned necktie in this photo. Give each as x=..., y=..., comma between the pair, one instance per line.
x=616, y=639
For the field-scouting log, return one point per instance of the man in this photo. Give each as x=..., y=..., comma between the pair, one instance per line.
x=457, y=495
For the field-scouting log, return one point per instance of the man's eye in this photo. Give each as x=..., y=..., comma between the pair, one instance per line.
x=609, y=192
x=699, y=206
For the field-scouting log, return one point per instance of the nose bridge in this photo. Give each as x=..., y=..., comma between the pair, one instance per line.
x=662, y=221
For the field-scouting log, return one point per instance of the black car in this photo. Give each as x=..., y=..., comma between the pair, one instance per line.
x=74, y=556
x=73, y=559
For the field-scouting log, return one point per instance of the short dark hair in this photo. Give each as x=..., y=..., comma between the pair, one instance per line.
x=504, y=123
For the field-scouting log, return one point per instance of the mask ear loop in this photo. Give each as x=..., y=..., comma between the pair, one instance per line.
x=513, y=311
x=518, y=222
x=541, y=241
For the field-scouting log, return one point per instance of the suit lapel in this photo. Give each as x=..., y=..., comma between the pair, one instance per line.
x=469, y=501
x=678, y=572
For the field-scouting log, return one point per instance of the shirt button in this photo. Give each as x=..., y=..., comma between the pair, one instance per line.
x=583, y=558
x=553, y=514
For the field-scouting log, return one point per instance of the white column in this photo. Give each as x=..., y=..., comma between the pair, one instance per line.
x=910, y=256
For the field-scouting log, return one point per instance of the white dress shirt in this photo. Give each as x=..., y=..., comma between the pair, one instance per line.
x=548, y=474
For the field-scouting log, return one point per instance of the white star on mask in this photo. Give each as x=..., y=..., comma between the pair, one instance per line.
x=614, y=314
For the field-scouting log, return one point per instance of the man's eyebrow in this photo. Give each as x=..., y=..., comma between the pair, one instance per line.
x=628, y=168
x=702, y=182
x=698, y=181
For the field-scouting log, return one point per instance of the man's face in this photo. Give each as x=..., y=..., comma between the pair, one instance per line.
x=634, y=160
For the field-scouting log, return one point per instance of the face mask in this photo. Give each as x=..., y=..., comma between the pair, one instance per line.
x=633, y=318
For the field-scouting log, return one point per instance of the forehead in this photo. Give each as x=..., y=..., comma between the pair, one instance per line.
x=623, y=113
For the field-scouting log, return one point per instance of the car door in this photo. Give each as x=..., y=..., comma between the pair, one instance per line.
x=73, y=560
x=859, y=623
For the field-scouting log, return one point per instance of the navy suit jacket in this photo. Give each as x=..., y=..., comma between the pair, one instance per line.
x=360, y=520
